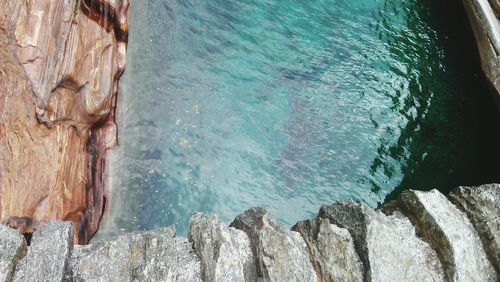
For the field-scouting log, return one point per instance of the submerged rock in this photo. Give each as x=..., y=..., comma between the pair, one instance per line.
x=280, y=255
x=60, y=62
x=224, y=252
x=48, y=253
x=12, y=248
x=482, y=206
x=332, y=250
x=387, y=245
x=146, y=256
x=450, y=233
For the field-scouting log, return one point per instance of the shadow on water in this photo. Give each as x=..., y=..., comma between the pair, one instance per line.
x=472, y=123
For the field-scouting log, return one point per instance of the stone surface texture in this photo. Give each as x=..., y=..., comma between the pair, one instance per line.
x=332, y=250
x=12, y=248
x=48, y=254
x=224, y=252
x=60, y=62
x=450, y=232
x=280, y=255
x=346, y=241
x=145, y=256
x=482, y=206
x=387, y=245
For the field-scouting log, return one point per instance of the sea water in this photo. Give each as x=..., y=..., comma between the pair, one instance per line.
x=291, y=105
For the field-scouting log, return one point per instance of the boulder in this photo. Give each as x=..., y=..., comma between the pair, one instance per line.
x=224, y=252
x=280, y=255
x=48, y=254
x=142, y=256
x=332, y=250
x=450, y=233
x=482, y=206
x=387, y=245
x=12, y=248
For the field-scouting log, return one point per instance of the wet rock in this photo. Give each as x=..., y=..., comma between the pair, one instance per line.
x=332, y=250
x=387, y=245
x=280, y=255
x=48, y=254
x=450, y=233
x=12, y=248
x=224, y=252
x=144, y=256
x=482, y=206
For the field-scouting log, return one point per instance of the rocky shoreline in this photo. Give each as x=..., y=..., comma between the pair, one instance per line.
x=421, y=236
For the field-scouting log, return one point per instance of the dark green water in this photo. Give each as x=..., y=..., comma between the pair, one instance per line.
x=294, y=104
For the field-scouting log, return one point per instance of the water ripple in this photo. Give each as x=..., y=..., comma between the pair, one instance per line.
x=290, y=105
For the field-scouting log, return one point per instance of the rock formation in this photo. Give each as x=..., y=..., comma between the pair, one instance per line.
x=332, y=250
x=483, y=209
x=450, y=233
x=387, y=245
x=421, y=236
x=224, y=252
x=147, y=256
x=12, y=248
x=484, y=16
x=49, y=253
x=60, y=62
x=280, y=255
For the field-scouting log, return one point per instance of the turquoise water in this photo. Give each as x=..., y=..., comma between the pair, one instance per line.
x=294, y=104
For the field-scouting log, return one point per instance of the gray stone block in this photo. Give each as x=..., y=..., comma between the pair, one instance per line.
x=450, y=233
x=280, y=255
x=48, y=254
x=142, y=256
x=12, y=248
x=387, y=245
x=482, y=206
x=332, y=250
x=224, y=252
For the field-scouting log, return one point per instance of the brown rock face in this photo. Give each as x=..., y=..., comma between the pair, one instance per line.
x=60, y=62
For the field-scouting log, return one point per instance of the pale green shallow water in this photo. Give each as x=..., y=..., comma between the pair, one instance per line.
x=294, y=104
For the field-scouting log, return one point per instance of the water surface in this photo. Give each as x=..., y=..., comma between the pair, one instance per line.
x=294, y=104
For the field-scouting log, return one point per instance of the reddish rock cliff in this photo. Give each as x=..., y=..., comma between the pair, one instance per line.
x=60, y=62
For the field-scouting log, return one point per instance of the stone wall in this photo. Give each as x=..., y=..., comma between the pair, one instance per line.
x=421, y=236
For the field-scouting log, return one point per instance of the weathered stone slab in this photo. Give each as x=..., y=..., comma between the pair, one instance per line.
x=145, y=256
x=482, y=206
x=48, y=253
x=450, y=233
x=332, y=250
x=280, y=255
x=224, y=252
x=12, y=248
x=387, y=245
